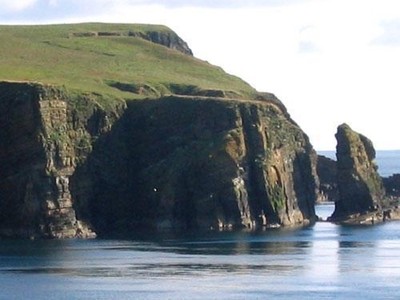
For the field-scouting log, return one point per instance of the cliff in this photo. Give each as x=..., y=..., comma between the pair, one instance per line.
x=43, y=138
x=173, y=162
x=205, y=163
x=360, y=187
x=111, y=128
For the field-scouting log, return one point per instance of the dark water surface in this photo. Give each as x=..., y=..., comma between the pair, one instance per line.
x=322, y=262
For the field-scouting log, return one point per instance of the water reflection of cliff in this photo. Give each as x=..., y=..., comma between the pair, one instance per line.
x=237, y=243
x=357, y=249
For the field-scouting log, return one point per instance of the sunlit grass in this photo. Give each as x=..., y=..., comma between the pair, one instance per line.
x=51, y=54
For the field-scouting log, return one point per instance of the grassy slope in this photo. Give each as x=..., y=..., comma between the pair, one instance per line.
x=49, y=54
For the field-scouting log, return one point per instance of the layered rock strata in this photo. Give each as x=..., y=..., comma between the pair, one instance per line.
x=175, y=162
x=42, y=140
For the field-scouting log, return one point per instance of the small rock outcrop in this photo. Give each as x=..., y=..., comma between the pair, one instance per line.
x=361, y=191
x=327, y=173
x=167, y=38
x=392, y=185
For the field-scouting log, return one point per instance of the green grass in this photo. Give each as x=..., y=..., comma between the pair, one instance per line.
x=51, y=54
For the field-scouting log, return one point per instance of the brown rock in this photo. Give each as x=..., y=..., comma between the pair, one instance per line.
x=360, y=187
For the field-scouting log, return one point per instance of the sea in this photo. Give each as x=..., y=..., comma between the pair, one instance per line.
x=325, y=261
x=388, y=161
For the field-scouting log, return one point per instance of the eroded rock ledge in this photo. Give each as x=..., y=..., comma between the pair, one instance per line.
x=165, y=38
x=70, y=167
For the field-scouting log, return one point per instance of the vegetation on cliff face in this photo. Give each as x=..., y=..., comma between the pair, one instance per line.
x=118, y=60
x=43, y=138
x=127, y=129
x=210, y=164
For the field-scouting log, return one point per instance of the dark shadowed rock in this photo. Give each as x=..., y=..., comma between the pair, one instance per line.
x=175, y=162
x=170, y=40
x=392, y=185
x=360, y=187
x=203, y=163
x=327, y=173
x=40, y=146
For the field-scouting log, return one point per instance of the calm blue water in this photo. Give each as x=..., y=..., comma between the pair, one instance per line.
x=388, y=161
x=322, y=262
x=325, y=261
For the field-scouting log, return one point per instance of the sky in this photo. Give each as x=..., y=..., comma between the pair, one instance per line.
x=329, y=61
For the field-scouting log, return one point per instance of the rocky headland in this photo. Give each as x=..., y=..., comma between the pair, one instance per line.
x=176, y=162
x=94, y=141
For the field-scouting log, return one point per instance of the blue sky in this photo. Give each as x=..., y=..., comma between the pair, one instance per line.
x=329, y=61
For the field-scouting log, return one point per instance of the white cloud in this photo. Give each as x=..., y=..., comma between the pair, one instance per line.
x=390, y=35
x=12, y=5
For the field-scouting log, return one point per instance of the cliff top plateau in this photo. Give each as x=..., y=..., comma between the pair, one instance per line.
x=123, y=61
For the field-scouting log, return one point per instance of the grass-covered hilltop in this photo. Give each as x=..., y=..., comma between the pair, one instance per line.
x=112, y=128
x=120, y=60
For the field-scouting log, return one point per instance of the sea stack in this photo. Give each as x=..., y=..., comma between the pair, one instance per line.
x=361, y=191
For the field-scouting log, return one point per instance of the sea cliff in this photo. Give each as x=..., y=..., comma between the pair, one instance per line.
x=71, y=167
x=111, y=128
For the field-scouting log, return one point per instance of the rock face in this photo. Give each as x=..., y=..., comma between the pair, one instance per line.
x=359, y=185
x=327, y=173
x=166, y=38
x=169, y=39
x=42, y=140
x=192, y=162
x=392, y=185
x=174, y=162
